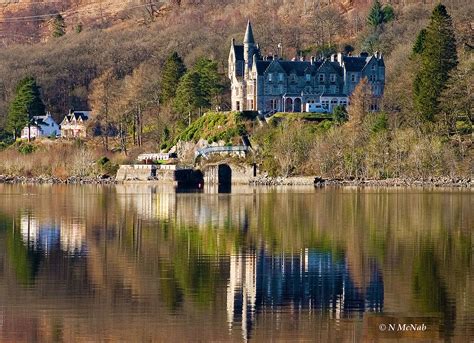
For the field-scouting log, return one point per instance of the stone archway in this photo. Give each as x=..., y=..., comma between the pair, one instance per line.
x=297, y=105
x=288, y=105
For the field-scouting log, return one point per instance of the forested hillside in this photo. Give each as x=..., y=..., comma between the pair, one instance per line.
x=109, y=56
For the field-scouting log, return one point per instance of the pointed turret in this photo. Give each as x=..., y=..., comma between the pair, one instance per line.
x=249, y=34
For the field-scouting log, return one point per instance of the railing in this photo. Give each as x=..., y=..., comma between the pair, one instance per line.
x=219, y=149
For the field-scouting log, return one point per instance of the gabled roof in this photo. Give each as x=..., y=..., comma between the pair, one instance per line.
x=239, y=52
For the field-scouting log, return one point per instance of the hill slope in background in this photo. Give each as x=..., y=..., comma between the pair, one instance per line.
x=125, y=35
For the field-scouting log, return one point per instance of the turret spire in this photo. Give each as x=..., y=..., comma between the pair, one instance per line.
x=249, y=34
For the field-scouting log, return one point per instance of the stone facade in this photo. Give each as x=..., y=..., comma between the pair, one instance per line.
x=270, y=84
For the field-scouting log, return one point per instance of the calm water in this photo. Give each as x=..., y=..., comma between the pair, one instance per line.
x=143, y=263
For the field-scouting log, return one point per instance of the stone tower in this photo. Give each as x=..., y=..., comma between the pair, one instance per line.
x=250, y=48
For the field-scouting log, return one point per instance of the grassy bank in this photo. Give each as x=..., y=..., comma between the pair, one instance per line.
x=58, y=159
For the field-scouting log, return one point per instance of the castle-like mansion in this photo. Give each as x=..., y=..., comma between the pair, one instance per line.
x=271, y=84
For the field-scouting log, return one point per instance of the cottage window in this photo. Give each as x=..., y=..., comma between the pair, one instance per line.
x=321, y=77
x=333, y=77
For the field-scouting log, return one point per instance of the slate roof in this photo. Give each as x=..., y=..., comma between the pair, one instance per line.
x=353, y=63
x=239, y=52
x=297, y=67
x=262, y=66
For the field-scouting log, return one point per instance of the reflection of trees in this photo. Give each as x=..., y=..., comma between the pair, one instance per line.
x=25, y=261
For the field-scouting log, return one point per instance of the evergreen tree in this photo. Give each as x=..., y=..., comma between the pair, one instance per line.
x=209, y=81
x=173, y=70
x=339, y=114
x=26, y=104
x=379, y=15
x=438, y=58
x=188, y=94
x=419, y=45
x=58, y=26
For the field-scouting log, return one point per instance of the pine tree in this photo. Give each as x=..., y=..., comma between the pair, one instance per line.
x=188, y=94
x=58, y=26
x=209, y=80
x=379, y=15
x=173, y=70
x=438, y=58
x=26, y=104
x=419, y=45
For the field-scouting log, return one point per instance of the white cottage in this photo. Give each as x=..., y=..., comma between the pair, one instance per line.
x=41, y=126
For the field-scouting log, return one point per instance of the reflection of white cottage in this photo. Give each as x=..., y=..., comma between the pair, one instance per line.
x=41, y=126
x=74, y=125
x=73, y=236
x=29, y=228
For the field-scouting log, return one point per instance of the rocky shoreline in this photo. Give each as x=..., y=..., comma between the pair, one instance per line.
x=320, y=182
x=43, y=180
x=261, y=181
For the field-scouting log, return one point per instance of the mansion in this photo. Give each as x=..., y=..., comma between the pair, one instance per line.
x=270, y=84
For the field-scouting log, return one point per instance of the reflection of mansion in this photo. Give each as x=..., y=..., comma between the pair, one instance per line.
x=268, y=84
x=313, y=279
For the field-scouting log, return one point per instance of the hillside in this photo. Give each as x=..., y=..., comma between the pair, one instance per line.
x=114, y=65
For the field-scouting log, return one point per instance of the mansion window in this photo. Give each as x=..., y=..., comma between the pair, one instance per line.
x=250, y=104
x=333, y=77
x=270, y=77
x=321, y=77
x=274, y=104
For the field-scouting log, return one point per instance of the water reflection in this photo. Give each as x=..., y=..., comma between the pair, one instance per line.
x=141, y=263
x=69, y=236
x=312, y=280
